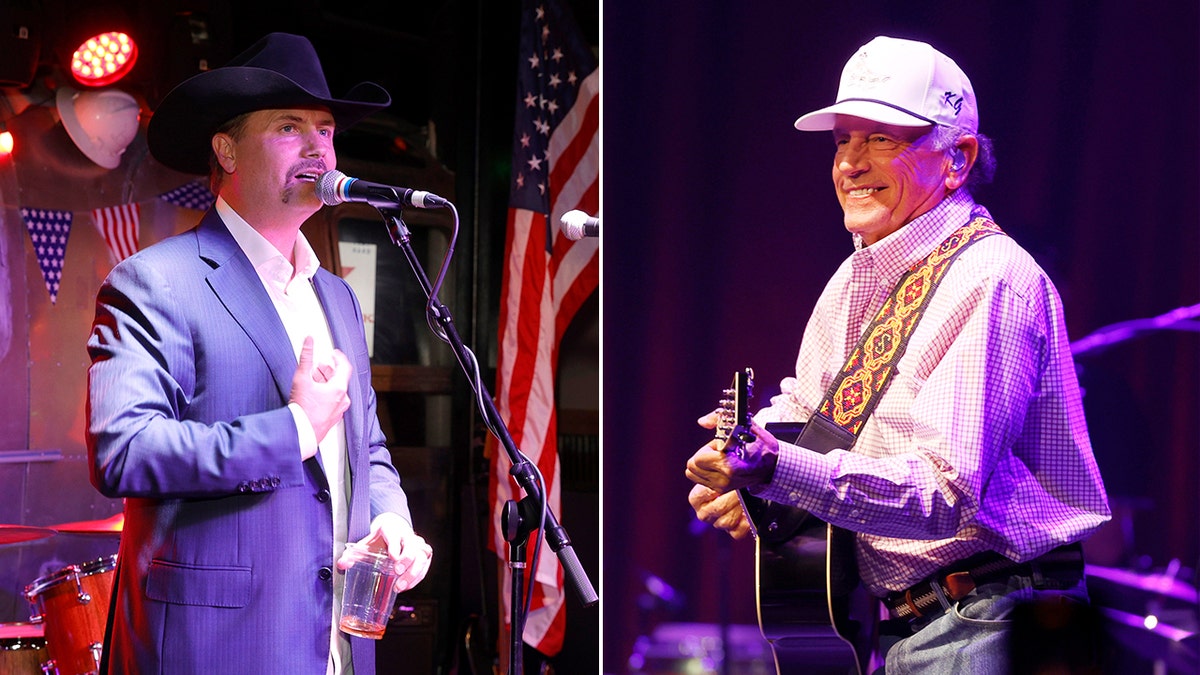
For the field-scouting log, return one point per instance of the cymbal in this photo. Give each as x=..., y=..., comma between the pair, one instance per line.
x=111, y=525
x=12, y=534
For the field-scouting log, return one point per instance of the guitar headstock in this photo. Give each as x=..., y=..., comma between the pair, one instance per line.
x=733, y=411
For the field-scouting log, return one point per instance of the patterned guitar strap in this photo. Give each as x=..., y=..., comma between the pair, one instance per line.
x=856, y=391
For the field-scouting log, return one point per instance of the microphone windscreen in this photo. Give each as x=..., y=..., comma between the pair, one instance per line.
x=573, y=223
x=329, y=187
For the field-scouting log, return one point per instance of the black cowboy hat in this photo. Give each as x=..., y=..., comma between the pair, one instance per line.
x=278, y=71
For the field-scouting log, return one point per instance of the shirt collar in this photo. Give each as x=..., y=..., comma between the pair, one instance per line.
x=267, y=260
x=896, y=253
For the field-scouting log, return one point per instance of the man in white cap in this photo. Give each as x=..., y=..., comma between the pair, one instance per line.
x=945, y=429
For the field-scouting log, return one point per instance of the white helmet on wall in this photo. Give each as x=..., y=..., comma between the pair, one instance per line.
x=101, y=123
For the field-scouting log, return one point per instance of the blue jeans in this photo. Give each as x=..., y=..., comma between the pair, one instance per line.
x=971, y=636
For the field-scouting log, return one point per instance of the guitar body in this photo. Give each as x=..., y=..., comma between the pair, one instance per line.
x=811, y=608
x=805, y=600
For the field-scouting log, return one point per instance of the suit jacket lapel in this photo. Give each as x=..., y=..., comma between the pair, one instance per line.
x=345, y=325
x=236, y=284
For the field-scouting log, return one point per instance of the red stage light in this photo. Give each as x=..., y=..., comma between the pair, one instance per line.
x=6, y=143
x=104, y=59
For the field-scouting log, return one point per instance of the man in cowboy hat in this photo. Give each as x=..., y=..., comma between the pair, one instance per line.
x=230, y=398
x=969, y=488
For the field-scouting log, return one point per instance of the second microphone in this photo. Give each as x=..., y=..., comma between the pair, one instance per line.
x=576, y=225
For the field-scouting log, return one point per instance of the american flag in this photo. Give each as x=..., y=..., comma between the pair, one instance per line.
x=556, y=167
x=193, y=195
x=119, y=225
x=49, y=230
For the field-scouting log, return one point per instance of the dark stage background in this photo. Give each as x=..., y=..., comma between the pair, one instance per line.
x=721, y=227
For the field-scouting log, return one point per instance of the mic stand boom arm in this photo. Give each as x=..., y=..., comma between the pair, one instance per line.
x=521, y=519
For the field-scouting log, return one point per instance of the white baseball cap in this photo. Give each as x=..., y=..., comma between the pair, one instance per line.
x=900, y=82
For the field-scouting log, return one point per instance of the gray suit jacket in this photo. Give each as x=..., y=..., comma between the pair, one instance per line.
x=225, y=564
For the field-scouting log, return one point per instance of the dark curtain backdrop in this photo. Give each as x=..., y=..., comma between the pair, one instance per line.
x=721, y=227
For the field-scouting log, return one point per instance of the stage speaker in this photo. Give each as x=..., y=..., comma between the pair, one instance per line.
x=410, y=642
x=420, y=631
x=21, y=30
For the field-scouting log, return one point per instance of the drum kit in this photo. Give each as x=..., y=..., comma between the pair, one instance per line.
x=68, y=608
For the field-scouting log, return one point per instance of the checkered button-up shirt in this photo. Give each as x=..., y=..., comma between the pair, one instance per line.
x=979, y=443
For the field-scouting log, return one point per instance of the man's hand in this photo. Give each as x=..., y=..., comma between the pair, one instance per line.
x=751, y=463
x=718, y=472
x=320, y=389
x=409, y=551
x=722, y=511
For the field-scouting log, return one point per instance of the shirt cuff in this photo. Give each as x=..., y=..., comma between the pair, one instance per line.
x=304, y=431
x=802, y=477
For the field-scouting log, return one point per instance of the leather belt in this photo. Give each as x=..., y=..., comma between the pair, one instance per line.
x=1060, y=568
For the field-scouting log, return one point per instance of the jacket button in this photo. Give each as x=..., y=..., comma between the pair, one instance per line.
x=323, y=496
x=325, y=574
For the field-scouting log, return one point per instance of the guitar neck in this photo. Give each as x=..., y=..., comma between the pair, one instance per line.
x=801, y=566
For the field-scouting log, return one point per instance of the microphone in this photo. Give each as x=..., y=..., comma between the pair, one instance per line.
x=335, y=187
x=576, y=225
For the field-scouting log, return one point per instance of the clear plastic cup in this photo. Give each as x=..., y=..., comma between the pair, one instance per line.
x=370, y=592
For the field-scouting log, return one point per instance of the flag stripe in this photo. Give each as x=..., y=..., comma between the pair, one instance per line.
x=506, y=338
x=528, y=298
x=576, y=294
x=119, y=225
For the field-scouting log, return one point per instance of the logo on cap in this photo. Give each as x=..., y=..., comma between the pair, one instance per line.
x=954, y=101
x=862, y=75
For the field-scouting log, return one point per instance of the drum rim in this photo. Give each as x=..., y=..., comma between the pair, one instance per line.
x=30, y=631
x=98, y=566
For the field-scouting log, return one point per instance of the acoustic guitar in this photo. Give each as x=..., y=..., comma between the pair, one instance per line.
x=811, y=609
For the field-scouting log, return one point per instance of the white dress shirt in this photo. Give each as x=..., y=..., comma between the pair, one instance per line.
x=296, y=302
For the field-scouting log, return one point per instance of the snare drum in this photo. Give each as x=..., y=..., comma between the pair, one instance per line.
x=22, y=649
x=72, y=604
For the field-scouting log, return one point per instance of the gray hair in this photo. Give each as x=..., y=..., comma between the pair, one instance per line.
x=946, y=137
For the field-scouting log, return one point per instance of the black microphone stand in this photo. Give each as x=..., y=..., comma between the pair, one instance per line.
x=518, y=518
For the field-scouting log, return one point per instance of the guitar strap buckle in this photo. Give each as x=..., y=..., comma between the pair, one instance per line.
x=957, y=585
